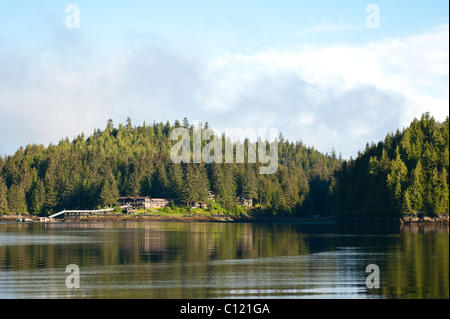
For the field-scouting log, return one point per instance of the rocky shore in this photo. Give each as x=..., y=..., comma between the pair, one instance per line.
x=402, y=220
x=409, y=219
x=182, y=218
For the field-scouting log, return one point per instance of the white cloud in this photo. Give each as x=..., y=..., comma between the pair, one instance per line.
x=52, y=98
x=339, y=96
x=355, y=93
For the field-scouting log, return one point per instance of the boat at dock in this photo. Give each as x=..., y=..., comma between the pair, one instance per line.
x=21, y=219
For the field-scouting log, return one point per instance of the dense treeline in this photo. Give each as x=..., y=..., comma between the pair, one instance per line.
x=405, y=173
x=93, y=171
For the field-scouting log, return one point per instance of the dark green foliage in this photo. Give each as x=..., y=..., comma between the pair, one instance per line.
x=132, y=160
x=16, y=199
x=3, y=196
x=196, y=183
x=37, y=197
x=108, y=192
x=226, y=189
x=407, y=173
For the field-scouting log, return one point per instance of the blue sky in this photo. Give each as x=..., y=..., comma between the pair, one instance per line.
x=314, y=70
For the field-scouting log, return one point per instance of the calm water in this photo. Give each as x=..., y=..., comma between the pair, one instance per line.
x=221, y=260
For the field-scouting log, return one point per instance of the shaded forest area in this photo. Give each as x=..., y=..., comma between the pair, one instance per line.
x=405, y=173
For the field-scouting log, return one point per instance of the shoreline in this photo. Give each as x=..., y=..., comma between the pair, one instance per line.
x=178, y=218
x=350, y=220
x=399, y=220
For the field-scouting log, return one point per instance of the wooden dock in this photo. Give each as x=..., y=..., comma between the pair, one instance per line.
x=78, y=213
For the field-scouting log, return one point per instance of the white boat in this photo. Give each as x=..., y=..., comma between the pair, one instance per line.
x=21, y=219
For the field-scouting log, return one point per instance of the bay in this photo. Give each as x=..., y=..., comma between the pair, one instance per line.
x=185, y=260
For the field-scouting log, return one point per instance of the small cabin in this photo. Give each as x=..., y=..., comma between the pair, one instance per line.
x=245, y=201
x=195, y=204
x=212, y=196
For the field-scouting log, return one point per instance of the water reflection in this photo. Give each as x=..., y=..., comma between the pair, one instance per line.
x=221, y=260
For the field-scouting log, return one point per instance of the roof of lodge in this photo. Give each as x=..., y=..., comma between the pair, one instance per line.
x=145, y=197
x=133, y=197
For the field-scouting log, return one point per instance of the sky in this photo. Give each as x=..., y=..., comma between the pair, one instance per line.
x=333, y=74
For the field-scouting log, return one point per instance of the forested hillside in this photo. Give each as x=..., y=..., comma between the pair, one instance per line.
x=405, y=173
x=93, y=171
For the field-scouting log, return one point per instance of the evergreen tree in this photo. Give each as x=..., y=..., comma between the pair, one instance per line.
x=226, y=193
x=196, y=183
x=109, y=192
x=162, y=182
x=416, y=189
x=16, y=200
x=250, y=183
x=51, y=190
x=396, y=181
x=134, y=184
x=289, y=187
x=37, y=198
x=109, y=125
x=429, y=199
x=443, y=195
x=3, y=196
x=175, y=180
x=129, y=126
x=185, y=123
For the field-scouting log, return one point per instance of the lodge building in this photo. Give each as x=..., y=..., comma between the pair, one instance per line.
x=136, y=202
x=146, y=202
